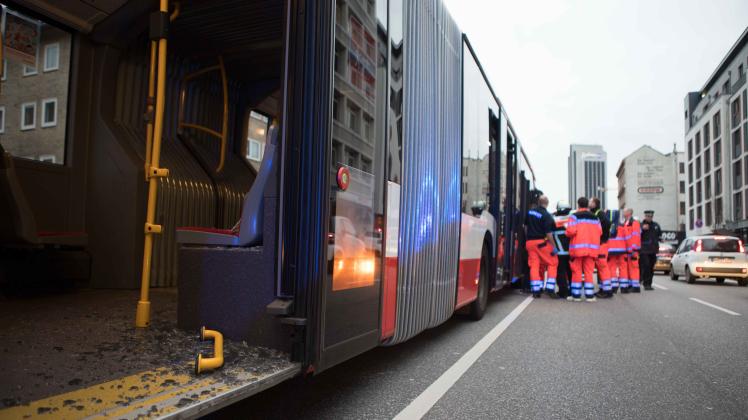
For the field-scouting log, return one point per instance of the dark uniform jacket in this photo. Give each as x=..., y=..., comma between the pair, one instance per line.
x=650, y=237
x=539, y=223
x=604, y=224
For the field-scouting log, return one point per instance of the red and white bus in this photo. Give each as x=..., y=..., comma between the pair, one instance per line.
x=321, y=177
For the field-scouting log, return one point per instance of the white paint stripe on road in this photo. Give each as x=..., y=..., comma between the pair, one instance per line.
x=657, y=286
x=423, y=403
x=711, y=305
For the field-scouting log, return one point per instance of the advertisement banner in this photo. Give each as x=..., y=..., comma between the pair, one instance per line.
x=21, y=36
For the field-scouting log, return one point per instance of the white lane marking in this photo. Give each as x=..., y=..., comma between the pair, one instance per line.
x=657, y=286
x=711, y=305
x=423, y=403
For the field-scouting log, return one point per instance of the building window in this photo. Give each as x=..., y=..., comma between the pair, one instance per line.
x=49, y=112
x=368, y=128
x=738, y=206
x=698, y=167
x=718, y=211
x=681, y=167
x=707, y=129
x=690, y=195
x=699, y=215
x=718, y=182
x=737, y=177
x=28, y=116
x=690, y=173
x=690, y=149
x=698, y=193
x=716, y=126
x=708, y=187
x=707, y=161
x=717, y=153
x=690, y=219
x=682, y=187
x=52, y=57
x=697, y=143
x=736, y=146
x=708, y=210
x=340, y=59
x=2, y=119
x=255, y=151
x=745, y=170
x=735, y=113
x=682, y=208
x=353, y=118
x=29, y=71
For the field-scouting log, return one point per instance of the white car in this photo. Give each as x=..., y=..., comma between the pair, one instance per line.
x=711, y=256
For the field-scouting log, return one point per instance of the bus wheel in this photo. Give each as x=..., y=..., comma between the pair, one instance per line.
x=478, y=307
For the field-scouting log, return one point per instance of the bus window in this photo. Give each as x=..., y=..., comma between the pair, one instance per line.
x=257, y=132
x=478, y=104
x=34, y=88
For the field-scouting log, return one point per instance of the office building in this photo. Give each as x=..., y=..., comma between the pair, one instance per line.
x=651, y=180
x=587, y=172
x=715, y=140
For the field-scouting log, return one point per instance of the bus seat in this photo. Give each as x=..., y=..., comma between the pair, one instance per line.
x=15, y=208
x=248, y=231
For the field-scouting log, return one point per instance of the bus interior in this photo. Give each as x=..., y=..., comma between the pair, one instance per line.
x=77, y=147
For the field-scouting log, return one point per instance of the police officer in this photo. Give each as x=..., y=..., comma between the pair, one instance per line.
x=563, y=273
x=540, y=247
x=650, y=246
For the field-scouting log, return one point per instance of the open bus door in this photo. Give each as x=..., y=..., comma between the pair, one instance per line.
x=351, y=290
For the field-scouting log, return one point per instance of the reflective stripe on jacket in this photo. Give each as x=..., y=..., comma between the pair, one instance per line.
x=583, y=230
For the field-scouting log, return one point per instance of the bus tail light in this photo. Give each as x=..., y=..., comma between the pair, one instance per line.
x=699, y=269
x=740, y=246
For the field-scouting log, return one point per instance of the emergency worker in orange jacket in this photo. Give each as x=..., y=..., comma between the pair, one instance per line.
x=617, y=262
x=633, y=244
x=583, y=230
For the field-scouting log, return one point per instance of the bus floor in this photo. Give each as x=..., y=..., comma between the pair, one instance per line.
x=78, y=355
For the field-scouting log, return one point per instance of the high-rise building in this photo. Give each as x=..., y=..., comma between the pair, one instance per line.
x=716, y=143
x=650, y=180
x=587, y=172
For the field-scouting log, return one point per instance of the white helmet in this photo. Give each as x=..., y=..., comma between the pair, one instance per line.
x=563, y=205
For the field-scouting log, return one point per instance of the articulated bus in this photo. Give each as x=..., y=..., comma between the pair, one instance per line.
x=308, y=179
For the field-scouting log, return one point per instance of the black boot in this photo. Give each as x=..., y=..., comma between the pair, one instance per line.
x=625, y=290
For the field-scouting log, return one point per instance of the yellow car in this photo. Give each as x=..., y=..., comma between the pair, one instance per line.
x=664, y=256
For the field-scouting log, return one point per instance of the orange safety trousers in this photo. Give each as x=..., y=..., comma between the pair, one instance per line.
x=633, y=269
x=583, y=270
x=539, y=252
x=603, y=271
x=618, y=267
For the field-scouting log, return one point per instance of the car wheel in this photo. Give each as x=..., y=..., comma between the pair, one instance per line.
x=743, y=282
x=478, y=307
x=720, y=281
x=690, y=278
x=673, y=276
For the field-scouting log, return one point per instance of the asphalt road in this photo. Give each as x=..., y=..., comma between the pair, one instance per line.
x=659, y=354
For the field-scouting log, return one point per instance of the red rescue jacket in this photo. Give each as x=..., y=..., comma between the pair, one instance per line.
x=633, y=235
x=583, y=230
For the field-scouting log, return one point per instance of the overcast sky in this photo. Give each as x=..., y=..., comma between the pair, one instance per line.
x=597, y=71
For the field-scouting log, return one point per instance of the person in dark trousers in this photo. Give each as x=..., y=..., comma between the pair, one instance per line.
x=601, y=263
x=650, y=246
x=563, y=272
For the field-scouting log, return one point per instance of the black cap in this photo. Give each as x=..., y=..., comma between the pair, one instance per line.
x=649, y=212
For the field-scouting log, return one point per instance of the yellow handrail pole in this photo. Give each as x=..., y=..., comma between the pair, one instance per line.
x=225, y=126
x=149, y=109
x=143, y=313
